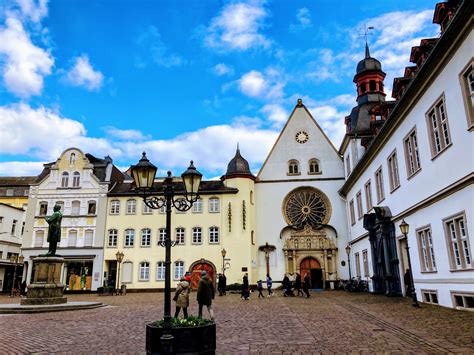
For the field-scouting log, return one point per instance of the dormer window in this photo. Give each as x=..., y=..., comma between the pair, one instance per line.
x=314, y=167
x=293, y=167
x=76, y=178
x=64, y=179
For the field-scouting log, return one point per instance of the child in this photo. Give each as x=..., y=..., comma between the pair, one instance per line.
x=260, y=288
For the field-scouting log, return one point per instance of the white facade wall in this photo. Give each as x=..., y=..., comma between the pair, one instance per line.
x=435, y=175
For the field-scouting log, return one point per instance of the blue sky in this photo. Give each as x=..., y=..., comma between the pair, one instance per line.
x=185, y=79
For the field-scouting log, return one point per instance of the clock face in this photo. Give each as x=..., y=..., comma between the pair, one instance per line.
x=301, y=137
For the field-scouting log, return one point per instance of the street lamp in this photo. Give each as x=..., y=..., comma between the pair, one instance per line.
x=119, y=256
x=348, y=252
x=144, y=175
x=405, y=228
x=17, y=260
x=223, y=253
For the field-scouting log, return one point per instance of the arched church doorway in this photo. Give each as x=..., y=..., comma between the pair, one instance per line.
x=313, y=267
x=196, y=269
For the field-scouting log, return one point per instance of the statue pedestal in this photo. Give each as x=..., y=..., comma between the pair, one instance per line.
x=46, y=287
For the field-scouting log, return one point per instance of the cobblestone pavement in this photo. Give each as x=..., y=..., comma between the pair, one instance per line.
x=328, y=322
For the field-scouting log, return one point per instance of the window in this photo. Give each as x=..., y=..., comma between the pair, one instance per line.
x=178, y=270
x=39, y=238
x=458, y=242
x=438, y=128
x=161, y=235
x=357, y=262
x=379, y=185
x=372, y=85
x=88, y=238
x=113, y=235
x=352, y=213
x=368, y=195
x=91, y=207
x=65, y=180
x=197, y=206
x=13, y=230
x=463, y=299
x=213, y=235
x=348, y=165
x=114, y=207
x=197, y=235
x=43, y=208
x=146, y=237
x=127, y=272
x=412, y=156
x=293, y=167
x=131, y=206
x=75, y=208
x=425, y=248
x=76, y=178
x=365, y=260
x=394, y=179
x=146, y=209
x=160, y=270
x=213, y=205
x=129, y=237
x=430, y=296
x=180, y=236
x=467, y=83
x=72, y=238
x=144, y=271
x=9, y=192
x=314, y=166
x=359, y=205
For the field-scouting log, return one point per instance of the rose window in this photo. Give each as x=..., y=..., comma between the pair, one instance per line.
x=306, y=205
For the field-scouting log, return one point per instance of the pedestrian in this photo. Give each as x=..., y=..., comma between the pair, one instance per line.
x=298, y=284
x=245, y=287
x=224, y=284
x=306, y=282
x=23, y=288
x=269, y=285
x=187, y=276
x=181, y=297
x=287, y=286
x=260, y=288
x=205, y=294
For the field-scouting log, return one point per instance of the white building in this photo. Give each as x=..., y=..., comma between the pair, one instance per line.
x=79, y=183
x=12, y=223
x=299, y=211
x=413, y=160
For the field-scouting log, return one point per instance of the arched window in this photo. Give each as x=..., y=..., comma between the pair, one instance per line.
x=146, y=237
x=197, y=235
x=72, y=238
x=129, y=237
x=43, y=208
x=178, y=270
x=76, y=179
x=180, y=232
x=160, y=270
x=65, y=180
x=144, y=271
x=131, y=206
x=114, y=207
x=293, y=167
x=213, y=205
x=75, y=208
x=372, y=85
x=88, y=238
x=161, y=235
x=91, y=207
x=213, y=235
x=113, y=235
x=313, y=167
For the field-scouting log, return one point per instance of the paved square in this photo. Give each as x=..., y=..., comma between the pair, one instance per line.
x=329, y=322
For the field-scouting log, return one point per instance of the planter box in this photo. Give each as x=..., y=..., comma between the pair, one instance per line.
x=187, y=340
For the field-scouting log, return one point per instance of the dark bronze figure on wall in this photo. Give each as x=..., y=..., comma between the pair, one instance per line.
x=54, y=230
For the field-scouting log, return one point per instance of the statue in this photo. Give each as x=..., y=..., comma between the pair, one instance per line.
x=54, y=230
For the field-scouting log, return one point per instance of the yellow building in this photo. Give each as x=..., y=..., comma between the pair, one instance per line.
x=223, y=218
x=14, y=190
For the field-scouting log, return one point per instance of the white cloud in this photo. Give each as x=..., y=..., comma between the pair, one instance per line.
x=83, y=74
x=21, y=168
x=33, y=10
x=276, y=114
x=126, y=134
x=24, y=64
x=238, y=27
x=304, y=20
x=268, y=85
x=222, y=69
x=253, y=84
x=151, y=46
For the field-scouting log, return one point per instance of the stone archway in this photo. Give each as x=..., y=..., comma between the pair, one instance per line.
x=196, y=269
x=313, y=267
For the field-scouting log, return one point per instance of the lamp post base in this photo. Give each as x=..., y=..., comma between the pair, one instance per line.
x=167, y=344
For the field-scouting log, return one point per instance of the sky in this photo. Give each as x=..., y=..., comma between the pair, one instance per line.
x=186, y=79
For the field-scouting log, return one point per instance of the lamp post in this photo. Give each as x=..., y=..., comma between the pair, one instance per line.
x=348, y=252
x=223, y=253
x=119, y=256
x=17, y=260
x=144, y=175
x=405, y=228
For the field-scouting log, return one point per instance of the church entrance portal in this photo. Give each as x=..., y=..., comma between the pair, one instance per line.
x=196, y=269
x=312, y=266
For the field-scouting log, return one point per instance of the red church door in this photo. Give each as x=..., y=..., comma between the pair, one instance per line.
x=196, y=273
x=311, y=265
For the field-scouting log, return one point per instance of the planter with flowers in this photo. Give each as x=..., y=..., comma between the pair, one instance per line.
x=192, y=335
